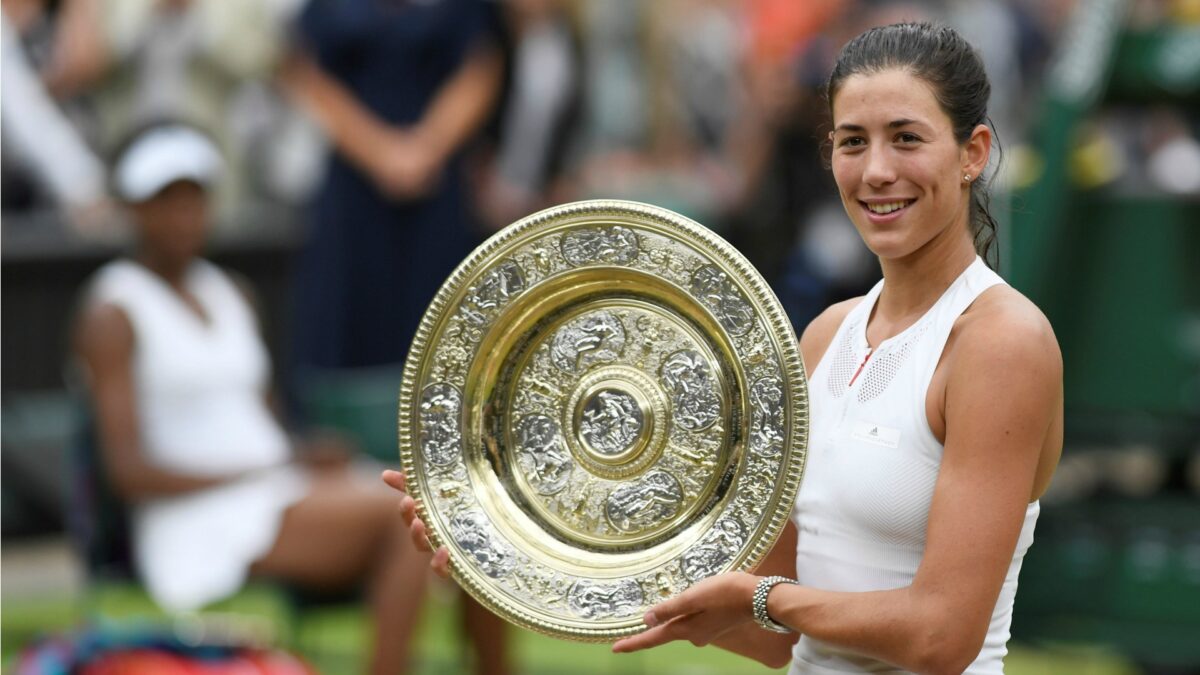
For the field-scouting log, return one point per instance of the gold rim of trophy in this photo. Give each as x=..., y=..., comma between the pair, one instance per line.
x=603, y=404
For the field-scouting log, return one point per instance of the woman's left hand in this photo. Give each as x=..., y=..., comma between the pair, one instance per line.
x=701, y=615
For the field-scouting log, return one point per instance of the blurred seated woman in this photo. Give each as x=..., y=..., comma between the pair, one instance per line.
x=178, y=378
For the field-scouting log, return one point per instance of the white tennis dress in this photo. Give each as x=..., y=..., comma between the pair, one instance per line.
x=200, y=394
x=863, y=509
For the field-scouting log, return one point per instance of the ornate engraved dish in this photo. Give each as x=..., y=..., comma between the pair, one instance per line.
x=603, y=405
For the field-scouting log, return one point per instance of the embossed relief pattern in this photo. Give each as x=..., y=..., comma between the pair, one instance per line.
x=695, y=403
x=648, y=341
x=613, y=245
x=441, y=436
x=714, y=551
x=610, y=422
x=586, y=341
x=494, y=290
x=640, y=504
x=714, y=288
x=766, y=416
x=543, y=457
x=591, y=600
x=474, y=535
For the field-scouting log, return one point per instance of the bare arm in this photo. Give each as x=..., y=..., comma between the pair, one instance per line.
x=462, y=104
x=104, y=341
x=748, y=639
x=79, y=56
x=993, y=445
x=355, y=130
x=992, y=449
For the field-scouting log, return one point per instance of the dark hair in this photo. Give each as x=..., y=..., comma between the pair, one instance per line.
x=955, y=72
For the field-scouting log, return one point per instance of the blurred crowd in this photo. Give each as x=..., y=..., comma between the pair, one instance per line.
x=709, y=107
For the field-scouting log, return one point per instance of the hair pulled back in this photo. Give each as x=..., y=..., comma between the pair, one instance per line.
x=954, y=71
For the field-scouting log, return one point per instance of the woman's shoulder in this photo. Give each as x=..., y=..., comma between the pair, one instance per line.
x=102, y=329
x=103, y=294
x=1004, y=325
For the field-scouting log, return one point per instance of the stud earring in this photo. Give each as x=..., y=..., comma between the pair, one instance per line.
x=967, y=177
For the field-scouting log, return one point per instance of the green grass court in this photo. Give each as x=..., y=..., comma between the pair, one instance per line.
x=334, y=638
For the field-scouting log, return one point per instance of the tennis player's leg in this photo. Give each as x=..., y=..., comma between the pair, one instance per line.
x=344, y=533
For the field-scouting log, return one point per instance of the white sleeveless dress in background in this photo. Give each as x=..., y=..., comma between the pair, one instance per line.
x=863, y=508
x=200, y=389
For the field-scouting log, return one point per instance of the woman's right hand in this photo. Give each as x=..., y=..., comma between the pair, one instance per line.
x=416, y=528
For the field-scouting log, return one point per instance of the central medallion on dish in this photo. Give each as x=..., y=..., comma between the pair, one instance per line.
x=616, y=423
x=610, y=423
x=615, y=417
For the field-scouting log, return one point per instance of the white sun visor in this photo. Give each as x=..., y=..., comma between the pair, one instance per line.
x=162, y=156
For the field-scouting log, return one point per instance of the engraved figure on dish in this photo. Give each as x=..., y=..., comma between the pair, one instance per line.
x=611, y=245
x=440, y=435
x=493, y=291
x=598, y=601
x=645, y=503
x=694, y=402
x=705, y=560
x=595, y=338
x=545, y=462
x=470, y=531
x=611, y=422
x=766, y=417
x=713, y=287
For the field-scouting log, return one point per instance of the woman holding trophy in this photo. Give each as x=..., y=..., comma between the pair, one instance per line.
x=935, y=404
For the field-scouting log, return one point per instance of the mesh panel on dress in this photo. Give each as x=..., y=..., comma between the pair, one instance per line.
x=883, y=367
x=844, y=362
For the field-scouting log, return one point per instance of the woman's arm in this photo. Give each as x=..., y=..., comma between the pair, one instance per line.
x=353, y=128
x=748, y=639
x=104, y=341
x=463, y=103
x=691, y=616
x=80, y=55
x=404, y=162
x=1001, y=402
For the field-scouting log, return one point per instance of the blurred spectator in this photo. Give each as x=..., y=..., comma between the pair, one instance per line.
x=662, y=94
x=400, y=89
x=539, y=113
x=616, y=99
x=140, y=60
x=1172, y=153
x=178, y=375
x=40, y=142
x=994, y=28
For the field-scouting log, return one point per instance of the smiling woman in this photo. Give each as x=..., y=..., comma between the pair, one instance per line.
x=900, y=168
x=932, y=67
x=935, y=404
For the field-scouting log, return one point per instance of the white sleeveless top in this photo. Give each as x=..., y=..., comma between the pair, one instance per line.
x=863, y=509
x=200, y=394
